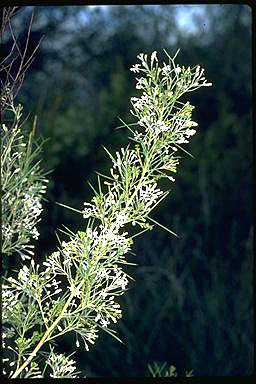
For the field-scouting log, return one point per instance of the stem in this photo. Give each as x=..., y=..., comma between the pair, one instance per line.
x=47, y=333
x=42, y=313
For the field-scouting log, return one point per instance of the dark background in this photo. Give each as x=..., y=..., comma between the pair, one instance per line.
x=191, y=302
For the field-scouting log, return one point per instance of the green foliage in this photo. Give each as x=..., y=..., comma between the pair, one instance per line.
x=160, y=370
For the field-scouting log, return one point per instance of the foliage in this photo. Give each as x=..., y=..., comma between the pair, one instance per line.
x=160, y=370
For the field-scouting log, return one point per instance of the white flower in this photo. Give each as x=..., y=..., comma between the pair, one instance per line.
x=140, y=83
x=166, y=69
x=89, y=210
x=149, y=194
x=7, y=231
x=181, y=140
x=135, y=68
x=24, y=274
x=205, y=84
x=191, y=123
x=178, y=69
x=190, y=132
x=104, y=322
x=153, y=58
x=160, y=126
x=121, y=219
x=35, y=233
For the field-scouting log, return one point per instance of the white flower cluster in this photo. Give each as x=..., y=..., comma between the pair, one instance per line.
x=88, y=333
x=89, y=210
x=23, y=185
x=30, y=280
x=95, y=254
x=62, y=366
x=97, y=243
x=29, y=212
x=32, y=205
x=127, y=197
x=27, y=209
x=153, y=109
x=109, y=239
x=10, y=298
x=7, y=231
x=143, y=103
x=110, y=281
x=109, y=310
x=149, y=194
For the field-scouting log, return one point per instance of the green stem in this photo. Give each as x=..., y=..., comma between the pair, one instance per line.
x=47, y=333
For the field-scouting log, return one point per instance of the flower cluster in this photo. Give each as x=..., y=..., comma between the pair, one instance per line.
x=162, y=87
x=62, y=366
x=95, y=256
x=23, y=186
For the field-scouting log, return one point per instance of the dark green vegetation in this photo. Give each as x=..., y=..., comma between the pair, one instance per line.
x=191, y=302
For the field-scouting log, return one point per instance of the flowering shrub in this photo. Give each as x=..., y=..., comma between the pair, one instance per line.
x=23, y=185
x=36, y=307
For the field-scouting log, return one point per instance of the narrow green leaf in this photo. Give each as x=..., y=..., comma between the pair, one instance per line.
x=112, y=158
x=66, y=206
x=162, y=226
x=177, y=145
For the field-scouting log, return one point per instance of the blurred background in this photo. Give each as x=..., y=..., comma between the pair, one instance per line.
x=191, y=302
